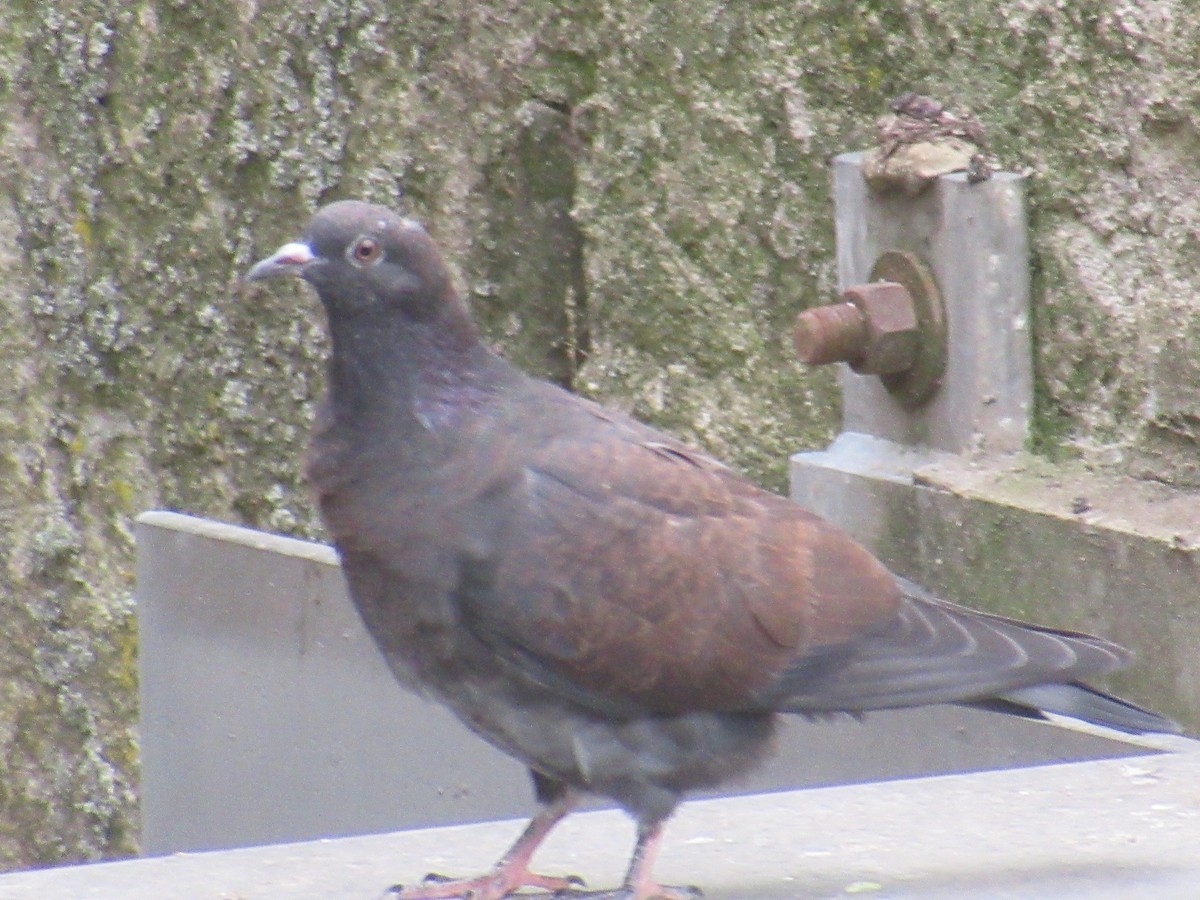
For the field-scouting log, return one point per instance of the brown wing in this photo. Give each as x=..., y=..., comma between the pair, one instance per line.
x=634, y=573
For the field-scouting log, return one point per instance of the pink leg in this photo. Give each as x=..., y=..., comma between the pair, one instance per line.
x=511, y=872
x=639, y=885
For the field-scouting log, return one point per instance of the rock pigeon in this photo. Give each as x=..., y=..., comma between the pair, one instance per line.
x=617, y=610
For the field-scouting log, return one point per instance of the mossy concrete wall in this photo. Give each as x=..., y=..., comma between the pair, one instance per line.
x=634, y=196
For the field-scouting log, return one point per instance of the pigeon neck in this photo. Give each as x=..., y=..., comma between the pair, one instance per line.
x=394, y=368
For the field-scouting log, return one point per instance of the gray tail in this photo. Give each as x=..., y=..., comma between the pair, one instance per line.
x=1088, y=705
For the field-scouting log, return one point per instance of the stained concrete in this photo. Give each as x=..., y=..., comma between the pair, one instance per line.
x=1108, y=830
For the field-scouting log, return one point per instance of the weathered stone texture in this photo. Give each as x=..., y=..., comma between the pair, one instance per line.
x=661, y=169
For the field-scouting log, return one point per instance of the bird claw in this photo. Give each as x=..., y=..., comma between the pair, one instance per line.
x=493, y=886
x=572, y=882
x=656, y=892
x=670, y=892
x=431, y=880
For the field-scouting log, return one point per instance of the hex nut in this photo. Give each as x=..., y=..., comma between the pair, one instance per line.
x=892, y=332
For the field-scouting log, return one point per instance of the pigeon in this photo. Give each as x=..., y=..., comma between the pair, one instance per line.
x=619, y=611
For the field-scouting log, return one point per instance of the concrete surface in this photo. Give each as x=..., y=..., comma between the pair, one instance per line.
x=1055, y=543
x=267, y=714
x=1099, y=830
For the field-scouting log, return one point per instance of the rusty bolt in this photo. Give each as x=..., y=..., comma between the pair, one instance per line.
x=828, y=334
x=874, y=330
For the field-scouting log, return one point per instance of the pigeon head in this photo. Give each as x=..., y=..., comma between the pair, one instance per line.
x=365, y=260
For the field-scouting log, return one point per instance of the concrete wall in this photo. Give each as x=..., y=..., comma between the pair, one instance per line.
x=662, y=171
x=268, y=716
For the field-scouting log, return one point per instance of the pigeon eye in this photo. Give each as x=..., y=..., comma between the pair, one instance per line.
x=365, y=251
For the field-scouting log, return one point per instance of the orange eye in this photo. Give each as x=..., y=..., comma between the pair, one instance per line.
x=366, y=251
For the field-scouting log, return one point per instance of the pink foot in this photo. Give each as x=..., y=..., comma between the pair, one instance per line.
x=510, y=874
x=639, y=885
x=501, y=882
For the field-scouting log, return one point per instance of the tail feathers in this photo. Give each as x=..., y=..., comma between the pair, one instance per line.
x=938, y=652
x=1078, y=701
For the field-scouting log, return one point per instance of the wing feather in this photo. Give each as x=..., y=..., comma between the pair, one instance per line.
x=938, y=652
x=637, y=573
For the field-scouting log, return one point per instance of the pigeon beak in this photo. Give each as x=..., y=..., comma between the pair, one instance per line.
x=290, y=259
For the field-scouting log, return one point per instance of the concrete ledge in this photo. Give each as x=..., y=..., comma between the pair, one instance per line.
x=1054, y=543
x=268, y=715
x=1102, y=830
